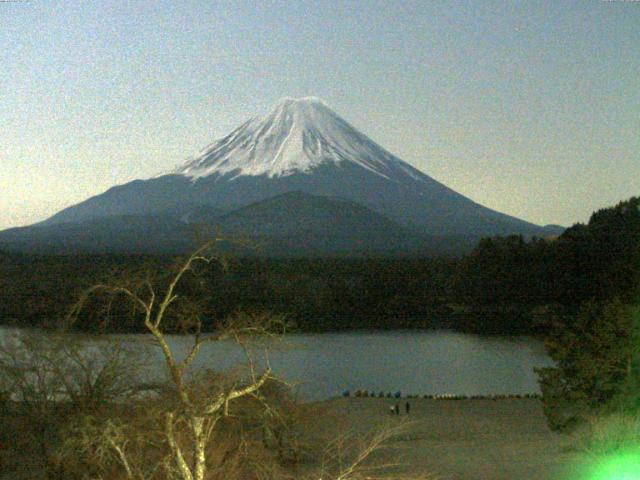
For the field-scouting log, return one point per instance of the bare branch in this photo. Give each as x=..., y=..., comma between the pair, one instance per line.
x=199, y=407
x=183, y=467
x=224, y=399
x=169, y=295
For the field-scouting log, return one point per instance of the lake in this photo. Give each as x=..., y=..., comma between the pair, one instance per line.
x=413, y=362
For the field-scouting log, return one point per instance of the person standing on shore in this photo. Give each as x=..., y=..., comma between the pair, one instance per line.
x=397, y=409
x=407, y=407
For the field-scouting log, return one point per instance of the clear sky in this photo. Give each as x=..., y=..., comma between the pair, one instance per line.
x=530, y=108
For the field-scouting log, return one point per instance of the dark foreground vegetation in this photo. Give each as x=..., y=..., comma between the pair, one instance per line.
x=593, y=390
x=91, y=413
x=506, y=285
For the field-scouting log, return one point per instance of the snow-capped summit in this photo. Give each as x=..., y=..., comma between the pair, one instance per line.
x=296, y=136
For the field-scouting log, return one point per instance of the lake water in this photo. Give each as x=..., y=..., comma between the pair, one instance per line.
x=413, y=362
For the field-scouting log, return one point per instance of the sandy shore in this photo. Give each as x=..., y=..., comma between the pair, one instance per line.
x=504, y=439
x=465, y=439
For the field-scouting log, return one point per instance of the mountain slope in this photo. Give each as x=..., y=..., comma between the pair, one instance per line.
x=293, y=224
x=302, y=145
x=113, y=234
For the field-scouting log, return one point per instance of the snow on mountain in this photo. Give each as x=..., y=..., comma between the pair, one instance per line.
x=296, y=136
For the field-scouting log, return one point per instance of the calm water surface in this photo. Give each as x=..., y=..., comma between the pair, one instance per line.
x=414, y=362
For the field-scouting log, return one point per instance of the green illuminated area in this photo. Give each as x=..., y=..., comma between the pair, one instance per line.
x=621, y=466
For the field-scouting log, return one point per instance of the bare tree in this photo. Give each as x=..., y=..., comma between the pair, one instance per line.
x=195, y=413
x=196, y=409
x=122, y=442
x=50, y=377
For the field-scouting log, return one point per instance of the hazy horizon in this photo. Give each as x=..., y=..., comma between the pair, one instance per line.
x=529, y=109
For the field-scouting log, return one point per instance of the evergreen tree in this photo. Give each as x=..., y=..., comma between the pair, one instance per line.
x=594, y=353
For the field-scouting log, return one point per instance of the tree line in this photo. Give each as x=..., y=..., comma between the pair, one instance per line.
x=597, y=261
x=505, y=285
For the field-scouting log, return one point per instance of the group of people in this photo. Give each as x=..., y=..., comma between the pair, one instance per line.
x=395, y=409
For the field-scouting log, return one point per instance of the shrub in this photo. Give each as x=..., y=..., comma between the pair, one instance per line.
x=608, y=434
x=594, y=354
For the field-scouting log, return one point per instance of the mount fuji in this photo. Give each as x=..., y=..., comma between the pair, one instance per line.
x=301, y=151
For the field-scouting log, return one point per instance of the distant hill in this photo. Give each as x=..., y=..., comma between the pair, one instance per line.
x=299, y=224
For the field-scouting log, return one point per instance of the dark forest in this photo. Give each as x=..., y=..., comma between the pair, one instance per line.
x=506, y=285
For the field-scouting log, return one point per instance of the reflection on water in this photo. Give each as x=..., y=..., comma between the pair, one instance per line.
x=414, y=362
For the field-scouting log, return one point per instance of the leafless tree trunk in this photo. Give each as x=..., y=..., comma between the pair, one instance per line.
x=200, y=415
